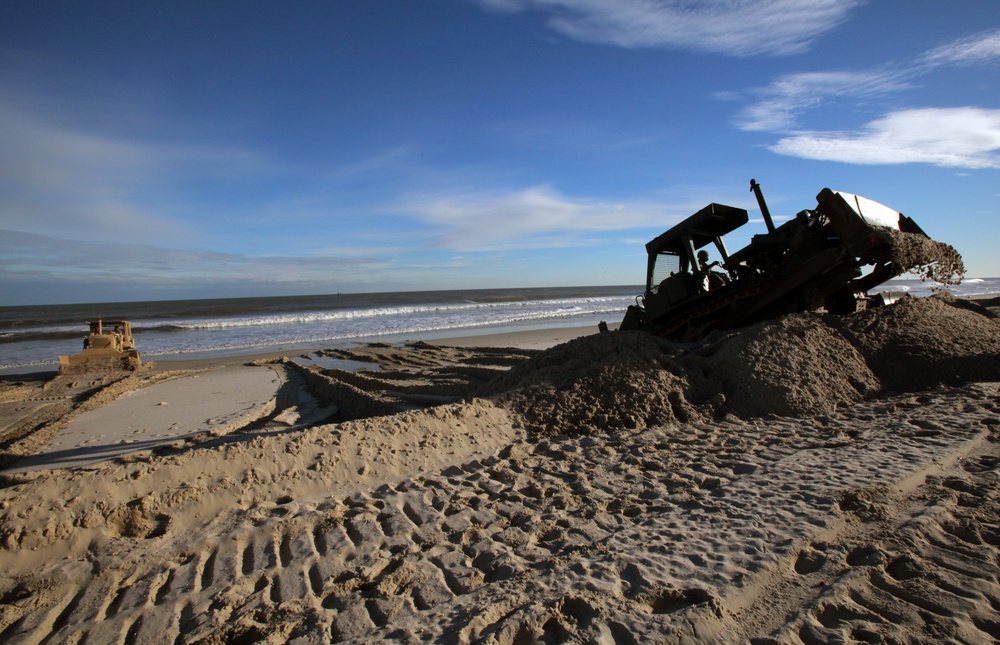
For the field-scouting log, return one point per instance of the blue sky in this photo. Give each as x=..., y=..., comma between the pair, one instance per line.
x=156, y=150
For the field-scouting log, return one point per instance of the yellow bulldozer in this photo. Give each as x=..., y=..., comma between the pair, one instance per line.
x=104, y=350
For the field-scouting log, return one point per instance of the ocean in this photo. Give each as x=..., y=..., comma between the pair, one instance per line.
x=32, y=337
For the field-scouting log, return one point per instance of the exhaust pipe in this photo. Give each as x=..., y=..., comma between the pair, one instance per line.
x=755, y=187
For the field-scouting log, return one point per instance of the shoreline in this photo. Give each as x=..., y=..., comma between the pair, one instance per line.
x=537, y=339
x=534, y=339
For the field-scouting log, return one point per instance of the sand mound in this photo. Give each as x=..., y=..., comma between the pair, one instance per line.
x=599, y=383
x=922, y=342
x=791, y=366
x=797, y=365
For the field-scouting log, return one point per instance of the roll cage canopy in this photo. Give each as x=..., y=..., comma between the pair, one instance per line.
x=702, y=228
x=677, y=247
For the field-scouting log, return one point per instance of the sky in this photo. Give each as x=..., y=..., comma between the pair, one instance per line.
x=193, y=149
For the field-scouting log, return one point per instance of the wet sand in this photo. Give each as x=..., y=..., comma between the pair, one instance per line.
x=805, y=480
x=211, y=401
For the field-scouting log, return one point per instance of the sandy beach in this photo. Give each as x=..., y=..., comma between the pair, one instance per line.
x=810, y=479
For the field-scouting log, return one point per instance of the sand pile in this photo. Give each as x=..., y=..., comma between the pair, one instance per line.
x=792, y=366
x=919, y=343
x=624, y=380
x=797, y=365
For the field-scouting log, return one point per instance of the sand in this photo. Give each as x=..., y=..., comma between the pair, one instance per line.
x=213, y=401
x=810, y=479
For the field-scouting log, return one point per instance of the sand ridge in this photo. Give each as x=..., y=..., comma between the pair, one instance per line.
x=773, y=484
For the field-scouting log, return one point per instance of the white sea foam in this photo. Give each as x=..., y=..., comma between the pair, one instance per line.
x=484, y=313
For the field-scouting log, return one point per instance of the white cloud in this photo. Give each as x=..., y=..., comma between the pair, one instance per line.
x=966, y=137
x=730, y=27
x=533, y=217
x=778, y=106
x=781, y=103
x=978, y=48
x=963, y=137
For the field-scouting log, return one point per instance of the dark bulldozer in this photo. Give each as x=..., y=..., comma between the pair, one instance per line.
x=825, y=258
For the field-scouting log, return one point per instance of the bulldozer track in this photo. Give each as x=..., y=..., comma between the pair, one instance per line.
x=686, y=319
x=938, y=566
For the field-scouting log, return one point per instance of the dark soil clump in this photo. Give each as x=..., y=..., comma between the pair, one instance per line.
x=926, y=258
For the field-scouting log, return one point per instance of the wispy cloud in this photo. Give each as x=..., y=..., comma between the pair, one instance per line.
x=965, y=137
x=730, y=27
x=578, y=136
x=978, y=48
x=94, y=185
x=779, y=105
x=539, y=216
x=116, y=267
x=962, y=137
x=374, y=164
